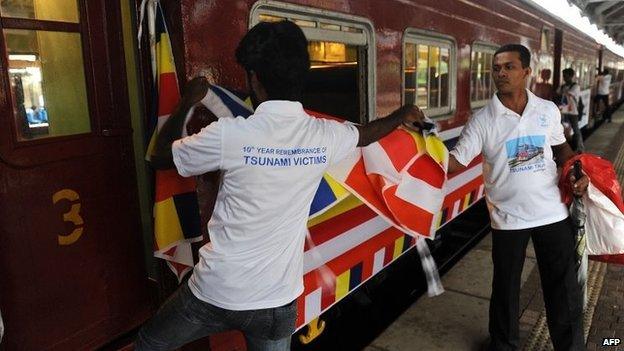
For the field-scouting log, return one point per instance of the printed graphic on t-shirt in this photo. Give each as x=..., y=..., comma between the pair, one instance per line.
x=526, y=153
x=284, y=157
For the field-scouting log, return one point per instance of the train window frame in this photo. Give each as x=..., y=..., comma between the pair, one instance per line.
x=354, y=30
x=480, y=46
x=417, y=36
x=81, y=28
x=106, y=105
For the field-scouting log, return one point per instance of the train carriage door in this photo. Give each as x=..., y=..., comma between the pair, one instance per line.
x=71, y=259
x=341, y=47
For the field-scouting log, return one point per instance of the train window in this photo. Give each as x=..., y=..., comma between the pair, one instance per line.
x=57, y=10
x=429, y=71
x=342, y=61
x=586, y=78
x=481, y=84
x=583, y=75
x=48, y=99
x=620, y=76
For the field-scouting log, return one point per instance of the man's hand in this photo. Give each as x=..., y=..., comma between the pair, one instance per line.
x=579, y=187
x=195, y=90
x=377, y=129
x=412, y=116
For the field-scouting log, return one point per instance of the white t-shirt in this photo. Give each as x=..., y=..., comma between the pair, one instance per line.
x=571, y=94
x=518, y=168
x=272, y=164
x=603, y=84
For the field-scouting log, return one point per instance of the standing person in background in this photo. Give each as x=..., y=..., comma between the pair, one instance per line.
x=570, y=93
x=545, y=89
x=521, y=139
x=603, y=82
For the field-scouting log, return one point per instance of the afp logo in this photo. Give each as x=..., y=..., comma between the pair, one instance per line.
x=611, y=341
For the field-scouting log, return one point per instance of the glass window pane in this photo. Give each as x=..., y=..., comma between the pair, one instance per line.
x=270, y=18
x=473, y=76
x=336, y=80
x=48, y=83
x=327, y=52
x=434, y=76
x=422, y=76
x=444, y=77
x=329, y=26
x=479, y=84
x=487, y=75
x=304, y=23
x=56, y=10
x=410, y=73
x=482, y=87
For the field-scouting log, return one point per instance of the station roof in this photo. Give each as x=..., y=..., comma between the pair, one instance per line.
x=607, y=15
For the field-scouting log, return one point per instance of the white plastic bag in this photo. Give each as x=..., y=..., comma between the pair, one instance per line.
x=604, y=225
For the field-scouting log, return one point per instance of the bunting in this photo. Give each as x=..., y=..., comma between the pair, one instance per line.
x=176, y=212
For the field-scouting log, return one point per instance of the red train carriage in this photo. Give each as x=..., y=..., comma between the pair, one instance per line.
x=74, y=194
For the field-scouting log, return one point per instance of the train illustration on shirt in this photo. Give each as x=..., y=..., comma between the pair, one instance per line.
x=525, y=151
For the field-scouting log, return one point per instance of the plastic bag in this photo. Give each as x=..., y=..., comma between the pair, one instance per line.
x=604, y=206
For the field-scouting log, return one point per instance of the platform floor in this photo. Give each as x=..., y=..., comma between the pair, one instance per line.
x=457, y=320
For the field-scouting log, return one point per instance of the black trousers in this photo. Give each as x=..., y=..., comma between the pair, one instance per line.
x=605, y=100
x=554, y=248
x=577, y=138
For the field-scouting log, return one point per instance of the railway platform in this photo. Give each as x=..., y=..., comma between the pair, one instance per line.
x=458, y=319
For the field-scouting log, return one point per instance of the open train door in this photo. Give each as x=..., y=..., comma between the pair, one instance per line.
x=72, y=272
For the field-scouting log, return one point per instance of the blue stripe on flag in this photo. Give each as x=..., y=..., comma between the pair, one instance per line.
x=237, y=107
x=161, y=25
x=324, y=197
x=188, y=213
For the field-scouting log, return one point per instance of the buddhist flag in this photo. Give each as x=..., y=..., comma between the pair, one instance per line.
x=176, y=212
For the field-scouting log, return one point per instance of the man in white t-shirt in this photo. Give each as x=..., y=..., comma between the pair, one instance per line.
x=250, y=274
x=570, y=93
x=522, y=142
x=603, y=83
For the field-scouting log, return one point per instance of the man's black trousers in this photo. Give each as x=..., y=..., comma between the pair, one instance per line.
x=554, y=249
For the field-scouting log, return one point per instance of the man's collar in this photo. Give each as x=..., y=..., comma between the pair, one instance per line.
x=280, y=107
x=497, y=107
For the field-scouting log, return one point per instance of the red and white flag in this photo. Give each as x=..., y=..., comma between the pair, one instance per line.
x=401, y=177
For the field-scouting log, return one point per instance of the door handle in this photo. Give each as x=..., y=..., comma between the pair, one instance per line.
x=112, y=132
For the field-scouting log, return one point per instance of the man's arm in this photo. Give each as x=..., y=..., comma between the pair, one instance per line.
x=377, y=129
x=454, y=165
x=171, y=131
x=562, y=153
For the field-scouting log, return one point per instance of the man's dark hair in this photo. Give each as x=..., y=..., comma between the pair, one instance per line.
x=568, y=71
x=525, y=54
x=278, y=53
x=605, y=71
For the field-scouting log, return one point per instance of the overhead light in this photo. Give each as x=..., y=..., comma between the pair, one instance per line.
x=31, y=58
x=574, y=17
